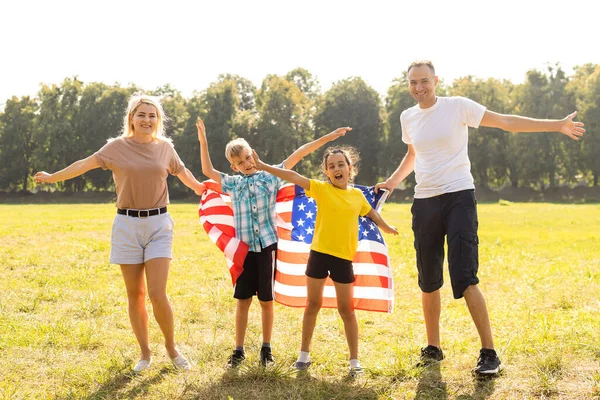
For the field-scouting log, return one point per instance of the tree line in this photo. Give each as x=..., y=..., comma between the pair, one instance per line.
x=70, y=121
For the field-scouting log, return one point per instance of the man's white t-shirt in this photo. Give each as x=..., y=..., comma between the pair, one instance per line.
x=440, y=135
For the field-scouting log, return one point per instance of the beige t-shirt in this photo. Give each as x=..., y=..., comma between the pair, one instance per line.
x=140, y=171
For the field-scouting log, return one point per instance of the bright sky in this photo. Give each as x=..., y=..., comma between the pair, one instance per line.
x=189, y=43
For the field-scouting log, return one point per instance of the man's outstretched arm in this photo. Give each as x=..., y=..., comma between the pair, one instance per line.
x=516, y=123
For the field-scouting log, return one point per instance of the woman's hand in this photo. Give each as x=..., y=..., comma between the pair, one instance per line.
x=200, y=189
x=43, y=177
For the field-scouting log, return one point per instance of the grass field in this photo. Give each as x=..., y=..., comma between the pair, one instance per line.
x=64, y=330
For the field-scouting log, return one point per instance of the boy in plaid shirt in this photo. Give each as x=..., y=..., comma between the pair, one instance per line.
x=253, y=198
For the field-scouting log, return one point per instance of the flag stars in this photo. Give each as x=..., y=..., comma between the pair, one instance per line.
x=301, y=207
x=378, y=236
x=365, y=233
x=363, y=219
x=309, y=231
x=300, y=222
x=372, y=226
x=309, y=214
x=311, y=200
x=301, y=237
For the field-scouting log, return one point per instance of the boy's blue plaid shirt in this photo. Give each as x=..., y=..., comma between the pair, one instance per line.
x=253, y=199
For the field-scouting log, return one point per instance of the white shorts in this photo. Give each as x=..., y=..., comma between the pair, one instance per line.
x=137, y=240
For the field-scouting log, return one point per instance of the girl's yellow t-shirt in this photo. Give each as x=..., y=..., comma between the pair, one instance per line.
x=336, y=227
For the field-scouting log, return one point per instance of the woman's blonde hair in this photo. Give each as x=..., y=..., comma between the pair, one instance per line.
x=134, y=103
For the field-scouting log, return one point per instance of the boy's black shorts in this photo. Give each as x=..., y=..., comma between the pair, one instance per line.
x=258, y=275
x=454, y=216
x=321, y=265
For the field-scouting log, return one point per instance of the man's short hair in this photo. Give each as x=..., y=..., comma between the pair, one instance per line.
x=422, y=63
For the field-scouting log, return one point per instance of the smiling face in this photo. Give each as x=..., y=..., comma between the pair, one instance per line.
x=338, y=170
x=144, y=120
x=422, y=83
x=243, y=162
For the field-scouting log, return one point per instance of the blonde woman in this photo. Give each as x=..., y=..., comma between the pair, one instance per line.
x=141, y=159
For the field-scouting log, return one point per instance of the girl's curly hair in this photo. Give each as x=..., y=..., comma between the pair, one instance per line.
x=351, y=155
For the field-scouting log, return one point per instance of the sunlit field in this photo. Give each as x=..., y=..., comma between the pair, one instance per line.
x=65, y=334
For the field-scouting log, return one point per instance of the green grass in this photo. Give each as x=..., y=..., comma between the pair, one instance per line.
x=65, y=334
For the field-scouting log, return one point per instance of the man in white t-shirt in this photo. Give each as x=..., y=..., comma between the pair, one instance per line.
x=436, y=132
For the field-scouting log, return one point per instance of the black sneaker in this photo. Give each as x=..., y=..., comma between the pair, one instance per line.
x=430, y=355
x=235, y=359
x=266, y=357
x=488, y=363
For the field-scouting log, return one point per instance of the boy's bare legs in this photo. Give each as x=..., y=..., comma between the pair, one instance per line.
x=267, y=320
x=314, y=300
x=478, y=309
x=432, y=306
x=345, y=299
x=241, y=320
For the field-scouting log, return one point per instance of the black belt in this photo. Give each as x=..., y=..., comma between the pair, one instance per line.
x=142, y=213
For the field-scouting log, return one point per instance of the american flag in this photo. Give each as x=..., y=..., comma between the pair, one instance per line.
x=216, y=216
x=373, y=291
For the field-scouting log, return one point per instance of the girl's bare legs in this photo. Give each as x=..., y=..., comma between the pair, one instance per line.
x=345, y=299
x=314, y=300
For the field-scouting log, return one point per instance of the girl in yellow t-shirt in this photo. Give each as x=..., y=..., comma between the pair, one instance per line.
x=334, y=242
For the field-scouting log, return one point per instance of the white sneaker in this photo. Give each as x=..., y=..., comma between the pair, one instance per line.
x=142, y=365
x=181, y=363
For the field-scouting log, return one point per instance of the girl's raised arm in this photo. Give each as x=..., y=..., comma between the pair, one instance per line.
x=285, y=174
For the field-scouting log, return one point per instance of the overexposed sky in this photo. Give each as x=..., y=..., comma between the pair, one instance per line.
x=189, y=43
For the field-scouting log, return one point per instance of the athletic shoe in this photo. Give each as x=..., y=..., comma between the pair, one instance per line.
x=430, y=355
x=181, y=363
x=266, y=356
x=235, y=359
x=142, y=365
x=488, y=363
x=301, y=366
x=356, y=371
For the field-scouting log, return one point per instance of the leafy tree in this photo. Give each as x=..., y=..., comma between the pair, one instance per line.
x=245, y=91
x=305, y=81
x=17, y=144
x=585, y=86
x=543, y=159
x=101, y=112
x=217, y=107
x=284, y=121
x=487, y=146
x=353, y=103
x=59, y=138
x=397, y=100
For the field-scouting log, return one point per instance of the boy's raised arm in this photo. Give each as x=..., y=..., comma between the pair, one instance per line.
x=207, y=166
x=285, y=174
x=308, y=148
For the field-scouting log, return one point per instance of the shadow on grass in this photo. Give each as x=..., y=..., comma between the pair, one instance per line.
x=280, y=383
x=431, y=384
x=484, y=387
x=115, y=386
